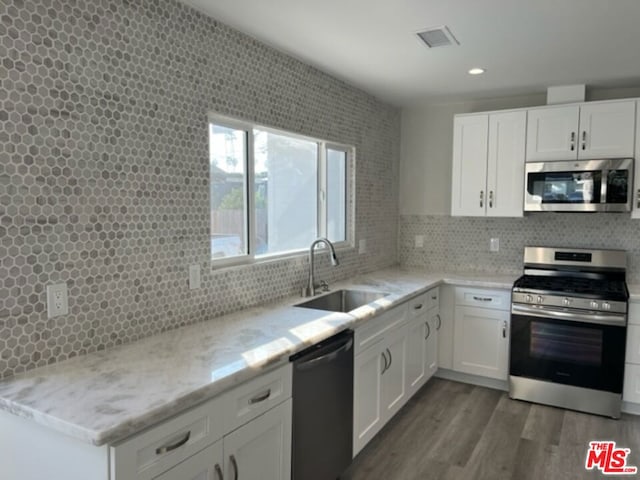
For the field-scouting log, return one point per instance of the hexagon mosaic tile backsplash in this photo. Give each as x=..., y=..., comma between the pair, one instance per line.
x=462, y=243
x=104, y=169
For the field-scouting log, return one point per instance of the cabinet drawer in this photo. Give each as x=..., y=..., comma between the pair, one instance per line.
x=374, y=329
x=473, y=297
x=160, y=448
x=255, y=397
x=634, y=313
x=631, y=390
x=633, y=344
x=418, y=305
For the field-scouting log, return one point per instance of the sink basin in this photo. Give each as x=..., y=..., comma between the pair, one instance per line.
x=342, y=300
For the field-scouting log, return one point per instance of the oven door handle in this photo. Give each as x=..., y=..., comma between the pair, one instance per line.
x=582, y=316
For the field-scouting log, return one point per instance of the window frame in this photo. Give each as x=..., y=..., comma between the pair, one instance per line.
x=321, y=192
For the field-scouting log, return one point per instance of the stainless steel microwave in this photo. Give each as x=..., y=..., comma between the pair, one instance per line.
x=603, y=185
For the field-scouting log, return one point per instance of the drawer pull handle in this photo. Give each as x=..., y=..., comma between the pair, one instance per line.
x=482, y=299
x=439, y=321
x=173, y=446
x=504, y=329
x=426, y=324
x=434, y=297
x=260, y=397
x=219, y=472
x=234, y=464
x=417, y=307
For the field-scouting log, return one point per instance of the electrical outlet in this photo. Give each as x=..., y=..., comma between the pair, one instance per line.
x=362, y=246
x=494, y=244
x=57, y=301
x=194, y=277
x=419, y=241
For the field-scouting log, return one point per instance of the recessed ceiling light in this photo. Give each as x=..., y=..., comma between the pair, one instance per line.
x=476, y=71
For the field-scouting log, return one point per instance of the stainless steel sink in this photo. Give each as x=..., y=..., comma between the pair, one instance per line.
x=342, y=300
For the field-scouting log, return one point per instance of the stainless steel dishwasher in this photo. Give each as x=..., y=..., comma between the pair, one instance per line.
x=323, y=409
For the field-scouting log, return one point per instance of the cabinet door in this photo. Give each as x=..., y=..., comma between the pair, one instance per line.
x=419, y=331
x=607, y=130
x=469, y=171
x=431, y=342
x=505, y=165
x=261, y=449
x=481, y=341
x=367, y=403
x=206, y=465
x=394, y=391
x=552, y=133
x=635, y=213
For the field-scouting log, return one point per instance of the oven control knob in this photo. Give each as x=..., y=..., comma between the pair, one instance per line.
x=606, y=306
x=594, y=305
x=539, y=299
x=566, y=302
x=528, y=299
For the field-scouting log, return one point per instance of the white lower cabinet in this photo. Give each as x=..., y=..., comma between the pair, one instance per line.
x=367, y=401
x=261, y=449
x=481, y=341
x=631, y=391
x=205, y=465
x=388, y=372
x=243, y=433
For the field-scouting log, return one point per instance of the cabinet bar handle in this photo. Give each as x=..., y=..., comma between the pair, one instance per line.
x=435, y=297
x=428, y=330
x=481, y=198
x=417, y=307
x=638, y=199
x=173, y=446
x=482, y=299
x=573, y=141
x=439, y=321
x=234, y=464
x=584, y=140
x=386, y=365
x=260, y=397
x=504, y=329
x=490, y=198
x=390, y=358
x=219, y=472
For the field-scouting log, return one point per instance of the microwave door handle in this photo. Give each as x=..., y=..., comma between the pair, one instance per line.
x=603, y=186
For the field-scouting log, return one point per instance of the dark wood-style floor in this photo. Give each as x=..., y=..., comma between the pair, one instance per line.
x=452, y=430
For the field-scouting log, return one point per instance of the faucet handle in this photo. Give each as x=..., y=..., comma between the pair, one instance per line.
x=324, y=285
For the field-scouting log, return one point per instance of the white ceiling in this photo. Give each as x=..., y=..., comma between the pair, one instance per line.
x=525, y=45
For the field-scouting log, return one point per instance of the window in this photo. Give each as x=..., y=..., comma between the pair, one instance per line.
x=273, y=192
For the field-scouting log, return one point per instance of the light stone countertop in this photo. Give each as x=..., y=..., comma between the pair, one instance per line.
x=104, y=397
x=634, y=292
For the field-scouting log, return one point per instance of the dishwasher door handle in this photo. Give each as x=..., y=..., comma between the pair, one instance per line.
x=327, y=357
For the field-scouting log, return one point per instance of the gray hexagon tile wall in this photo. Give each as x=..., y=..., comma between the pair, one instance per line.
x=104, y=168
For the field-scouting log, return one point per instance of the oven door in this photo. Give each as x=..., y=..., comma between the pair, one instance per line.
x=579, y=186
x=584, y=349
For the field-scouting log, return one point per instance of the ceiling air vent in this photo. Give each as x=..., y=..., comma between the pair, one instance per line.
x=438, y=37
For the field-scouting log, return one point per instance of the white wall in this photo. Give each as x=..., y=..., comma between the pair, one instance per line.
x=426, y=142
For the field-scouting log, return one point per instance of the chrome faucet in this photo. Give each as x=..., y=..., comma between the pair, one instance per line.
x=310, y=291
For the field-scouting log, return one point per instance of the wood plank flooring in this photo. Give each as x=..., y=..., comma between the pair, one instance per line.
x=452, y=430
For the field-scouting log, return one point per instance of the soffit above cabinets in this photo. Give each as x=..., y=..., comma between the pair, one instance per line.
x=525, y=46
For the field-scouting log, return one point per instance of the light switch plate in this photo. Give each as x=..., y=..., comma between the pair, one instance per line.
x=494, y=244
x=419, y=241
x=194, y=277
x=362, y=246
x=57, y=300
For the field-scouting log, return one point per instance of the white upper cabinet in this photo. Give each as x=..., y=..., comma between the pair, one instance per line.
x=505, y=166
x=488, y=164
x=597, y=130
x=552, y=133
x=470, y=141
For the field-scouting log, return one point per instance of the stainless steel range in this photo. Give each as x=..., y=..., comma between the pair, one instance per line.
x=568, y=329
